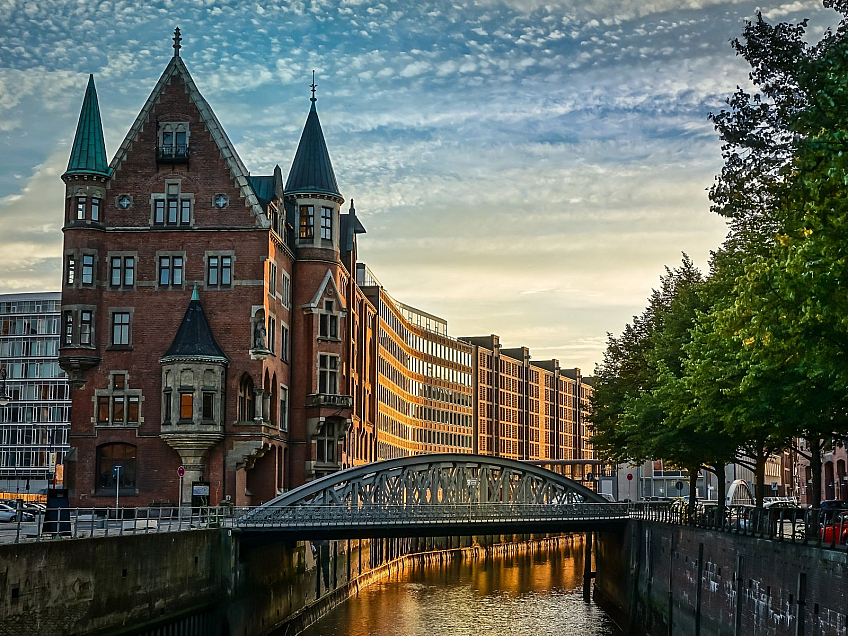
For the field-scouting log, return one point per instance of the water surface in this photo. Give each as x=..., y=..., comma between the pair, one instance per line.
x=524, y=594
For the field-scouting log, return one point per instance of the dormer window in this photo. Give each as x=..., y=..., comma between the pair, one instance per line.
x=173, y=207
x=173, y=142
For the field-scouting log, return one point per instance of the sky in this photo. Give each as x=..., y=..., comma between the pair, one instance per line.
x=522, y=167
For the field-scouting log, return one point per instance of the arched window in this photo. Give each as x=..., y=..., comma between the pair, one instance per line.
x=245, y=399
x=115, y=461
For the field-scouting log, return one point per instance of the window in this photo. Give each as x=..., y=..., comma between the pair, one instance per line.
x=185, y=211
x=80, y=208
x=326, y=444
x=307, y=221
x=103, y=409
x=70, y=269
x=88, y=269
x=119, y=381
x=166, y=412
x=208, y=406
x=186, y=406
x=95, y=209
x=284, y=342
x=69, y=327
x=328, y=322
x=286, y=290
x=327, y=223
x=219, y=271
x=85, y=327
x=132, y=409
x=123, y=271
x=245, y=399
x=272, y=278
x=159, y=212
x=118, y=409
x=328, y=372
x=284, y=408
x=170, y=271
x=121, y=328
x=116, y=466
x=272, y=334
x=172, y=207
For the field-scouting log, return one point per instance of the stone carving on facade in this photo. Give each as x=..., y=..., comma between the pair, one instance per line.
x=259, y=335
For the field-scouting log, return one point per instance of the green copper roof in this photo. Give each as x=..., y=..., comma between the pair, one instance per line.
x=88, y=154
x=312, y=170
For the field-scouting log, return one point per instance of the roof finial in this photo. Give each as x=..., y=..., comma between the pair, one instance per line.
x=313, y=87
x=352, y=209
x=194, y=294
x=177, y=40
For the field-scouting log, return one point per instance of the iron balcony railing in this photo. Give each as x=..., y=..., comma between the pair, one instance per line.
x=330, y=400
x=177, y=153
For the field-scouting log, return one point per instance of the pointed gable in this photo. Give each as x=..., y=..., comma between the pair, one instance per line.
x=327, y=290
x=311, y=169
x=177, y=68
x=194, y=338
x=88, y=153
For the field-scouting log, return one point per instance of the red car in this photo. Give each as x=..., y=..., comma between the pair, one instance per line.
x=835, y=529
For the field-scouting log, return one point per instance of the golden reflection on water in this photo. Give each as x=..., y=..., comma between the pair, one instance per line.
x=524, y=594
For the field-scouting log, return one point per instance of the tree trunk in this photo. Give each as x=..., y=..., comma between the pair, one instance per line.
x=693, y=491
x=814, y=494
x=760, y=477
x=722, y=490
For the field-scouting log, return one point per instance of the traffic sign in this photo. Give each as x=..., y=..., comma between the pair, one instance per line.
x=679, y=485
x=629, y=476
x=181, y=471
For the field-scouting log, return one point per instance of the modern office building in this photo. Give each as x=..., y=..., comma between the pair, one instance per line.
x=35, y=422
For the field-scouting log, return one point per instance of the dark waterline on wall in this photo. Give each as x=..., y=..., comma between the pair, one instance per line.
x=531, y=593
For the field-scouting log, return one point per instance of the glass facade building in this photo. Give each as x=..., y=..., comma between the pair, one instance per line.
x=34, y=425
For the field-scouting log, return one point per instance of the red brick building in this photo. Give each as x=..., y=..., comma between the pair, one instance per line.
x=212, y=320
x=184, y=333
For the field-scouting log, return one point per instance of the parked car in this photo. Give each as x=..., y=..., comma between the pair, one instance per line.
x=833, y=504
x=8, y=513
x=835, y=530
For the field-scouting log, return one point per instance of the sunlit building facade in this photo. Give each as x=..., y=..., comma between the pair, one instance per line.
x=34, y=424
x=424, y=389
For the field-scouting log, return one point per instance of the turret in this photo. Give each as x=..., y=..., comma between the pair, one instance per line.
x=312, y=187
x=87, y=173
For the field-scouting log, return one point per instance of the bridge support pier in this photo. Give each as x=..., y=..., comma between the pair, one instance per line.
x=587, y=567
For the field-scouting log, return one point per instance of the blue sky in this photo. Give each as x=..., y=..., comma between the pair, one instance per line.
x=522, y=167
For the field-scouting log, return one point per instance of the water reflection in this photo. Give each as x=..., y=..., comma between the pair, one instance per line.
x=524, y=594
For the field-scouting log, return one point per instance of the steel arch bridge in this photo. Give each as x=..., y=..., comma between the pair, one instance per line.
x=430, y=495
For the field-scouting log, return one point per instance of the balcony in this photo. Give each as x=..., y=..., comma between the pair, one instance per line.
x=329, y=400
x=172, y=154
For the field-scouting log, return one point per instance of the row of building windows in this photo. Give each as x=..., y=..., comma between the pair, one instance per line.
x=33, y=435
x=28, y=347
x=29, y=326
x=170, y=270
x=33, y=370
x=43, y=391
x=29, y=307
x=31, y=413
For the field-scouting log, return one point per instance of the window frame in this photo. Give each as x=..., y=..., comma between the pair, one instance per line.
x=124, y=328
x=306, y=223
x=326, y=228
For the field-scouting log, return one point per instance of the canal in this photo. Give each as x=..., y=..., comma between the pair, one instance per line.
x=528, y=593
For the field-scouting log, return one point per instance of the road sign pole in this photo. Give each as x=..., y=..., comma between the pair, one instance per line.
x=117, y=488
x=181, y=474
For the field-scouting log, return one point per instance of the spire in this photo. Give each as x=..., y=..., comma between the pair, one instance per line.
x=88, y=153
x=313, y=86
x=194, y=338
x=177, y=39
x=312, y=170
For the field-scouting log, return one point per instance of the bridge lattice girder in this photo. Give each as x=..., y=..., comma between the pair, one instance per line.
x=446, y=478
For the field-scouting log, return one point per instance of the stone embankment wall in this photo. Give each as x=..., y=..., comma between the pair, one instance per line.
x=662, y=580
x=199, y=583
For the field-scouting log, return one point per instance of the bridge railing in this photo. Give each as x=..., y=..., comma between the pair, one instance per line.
x=53, y=524
x=423, y=514
x=823, y=528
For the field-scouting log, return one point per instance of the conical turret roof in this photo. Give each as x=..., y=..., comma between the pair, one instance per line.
x=88, y=154
x=311, y=169
x=194, y=338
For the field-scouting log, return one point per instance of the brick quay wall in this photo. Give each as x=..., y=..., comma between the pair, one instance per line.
x=663, y=580
x=203, y=582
